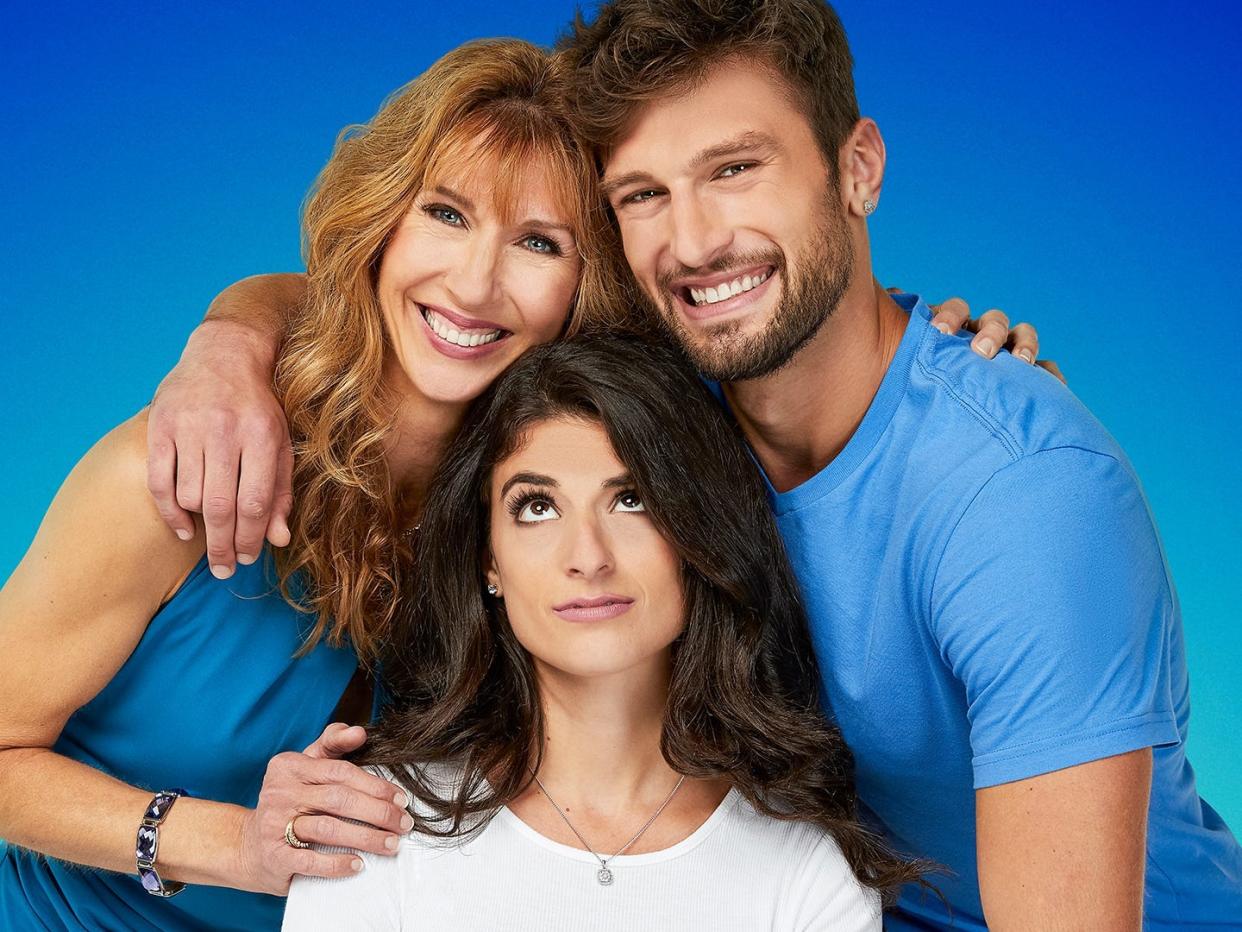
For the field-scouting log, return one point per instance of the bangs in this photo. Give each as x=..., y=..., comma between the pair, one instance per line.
x=505, y=154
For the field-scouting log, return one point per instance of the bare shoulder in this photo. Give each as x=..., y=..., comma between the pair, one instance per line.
x=104, y=519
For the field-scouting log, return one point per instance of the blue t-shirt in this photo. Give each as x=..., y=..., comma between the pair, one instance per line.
x=989, y=601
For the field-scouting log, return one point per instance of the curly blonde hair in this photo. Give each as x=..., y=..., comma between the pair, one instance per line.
x=494, y=106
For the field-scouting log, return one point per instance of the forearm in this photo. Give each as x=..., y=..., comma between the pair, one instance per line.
x=252, y=314
x=68, y=810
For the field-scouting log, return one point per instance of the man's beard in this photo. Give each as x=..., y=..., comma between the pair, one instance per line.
x=808, y=297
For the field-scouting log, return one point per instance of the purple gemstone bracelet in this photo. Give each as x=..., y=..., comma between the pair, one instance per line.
x=148, y=844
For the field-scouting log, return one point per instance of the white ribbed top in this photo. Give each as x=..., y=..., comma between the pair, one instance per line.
x=739, y=871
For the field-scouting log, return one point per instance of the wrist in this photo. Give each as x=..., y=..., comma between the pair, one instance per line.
x=233, y=343
x=201, y=843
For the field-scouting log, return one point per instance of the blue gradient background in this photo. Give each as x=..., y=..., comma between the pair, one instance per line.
x=1076, y=166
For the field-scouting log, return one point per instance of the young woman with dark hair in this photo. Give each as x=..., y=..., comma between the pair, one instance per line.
x=605, y=698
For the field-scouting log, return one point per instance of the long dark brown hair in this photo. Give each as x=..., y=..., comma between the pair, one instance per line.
x=743, y=701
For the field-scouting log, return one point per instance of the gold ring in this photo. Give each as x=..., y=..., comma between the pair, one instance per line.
x=291, y=838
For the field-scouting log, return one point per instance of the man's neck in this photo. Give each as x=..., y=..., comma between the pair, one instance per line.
x=800, y=418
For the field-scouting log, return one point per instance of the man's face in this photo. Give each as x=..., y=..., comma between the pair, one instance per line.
x=731, y=222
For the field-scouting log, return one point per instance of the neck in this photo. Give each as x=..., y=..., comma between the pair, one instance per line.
x=602, y=736
x=422, y=431
x=798, y=419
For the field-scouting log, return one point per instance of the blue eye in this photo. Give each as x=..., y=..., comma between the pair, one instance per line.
x=541, y=244
x=445, y=215
x=730, y=171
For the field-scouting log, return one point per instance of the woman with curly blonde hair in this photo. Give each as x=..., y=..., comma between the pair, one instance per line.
x=142, y=700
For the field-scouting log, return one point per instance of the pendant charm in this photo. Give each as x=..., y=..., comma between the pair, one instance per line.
x=604, y=876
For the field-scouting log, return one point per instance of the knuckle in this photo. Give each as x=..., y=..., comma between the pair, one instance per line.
x=282, y=763
x=189, y=500
x=252, y=508
x=218, y=507
x=218, y=553
x=220, y=425
x=337, y=799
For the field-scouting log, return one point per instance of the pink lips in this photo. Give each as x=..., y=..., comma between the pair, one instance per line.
x=599, y=608
x=452, y=350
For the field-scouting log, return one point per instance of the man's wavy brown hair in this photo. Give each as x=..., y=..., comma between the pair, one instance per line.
x=466, y=726
x=494, y=108
x=637, y=51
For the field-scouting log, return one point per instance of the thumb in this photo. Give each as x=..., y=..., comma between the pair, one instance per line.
x=337, y=740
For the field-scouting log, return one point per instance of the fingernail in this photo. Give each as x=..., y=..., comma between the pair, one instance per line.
x=406, y=824
x=985, y=347
x=391, y=842
x=184, y=534
x=1026, y=354
x=401, y=800
x=221, y=572
x=245, y=559
x=944, y=328
x=356, y=865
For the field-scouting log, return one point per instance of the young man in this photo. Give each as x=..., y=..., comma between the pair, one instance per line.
x=999, y=637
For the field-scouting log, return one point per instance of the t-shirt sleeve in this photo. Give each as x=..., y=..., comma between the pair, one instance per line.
x=1052, y=606
x=367, y=900
x=823, y=895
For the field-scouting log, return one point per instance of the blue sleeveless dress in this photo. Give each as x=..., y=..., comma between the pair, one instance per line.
x=209, y=695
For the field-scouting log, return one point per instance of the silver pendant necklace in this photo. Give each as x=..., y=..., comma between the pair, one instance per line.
x=604, y=874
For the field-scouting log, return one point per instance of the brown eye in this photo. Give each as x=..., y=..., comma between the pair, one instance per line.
x=535, y=511
x=629, y=501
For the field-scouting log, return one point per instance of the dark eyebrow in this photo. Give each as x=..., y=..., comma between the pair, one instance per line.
x=529, y=478
x=454, y=195
x=740, y=143
x=609, y=188
x=623, y=481
x=752, y=139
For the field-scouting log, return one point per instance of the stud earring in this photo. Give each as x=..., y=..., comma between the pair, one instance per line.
x=868, y=207
x=492, y=590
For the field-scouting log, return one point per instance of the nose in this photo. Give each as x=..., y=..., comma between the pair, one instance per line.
x=589, y=553
x=473, y=276
x=698, y=233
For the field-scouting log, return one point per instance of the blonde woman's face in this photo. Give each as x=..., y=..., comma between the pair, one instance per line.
x=464, y=293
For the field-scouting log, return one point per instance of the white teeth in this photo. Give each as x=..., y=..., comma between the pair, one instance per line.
x=450, y=334
x=727, y=290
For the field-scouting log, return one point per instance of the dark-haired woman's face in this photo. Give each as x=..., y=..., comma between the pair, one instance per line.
x=590, y=586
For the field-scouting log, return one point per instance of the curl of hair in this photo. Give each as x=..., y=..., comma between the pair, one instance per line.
x=744, y=695
x=492, y=109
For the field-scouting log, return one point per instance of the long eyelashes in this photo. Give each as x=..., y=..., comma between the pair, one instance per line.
x=519, y=502
x=627, y=501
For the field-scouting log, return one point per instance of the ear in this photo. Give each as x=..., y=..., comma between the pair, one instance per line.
x=862, y=167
